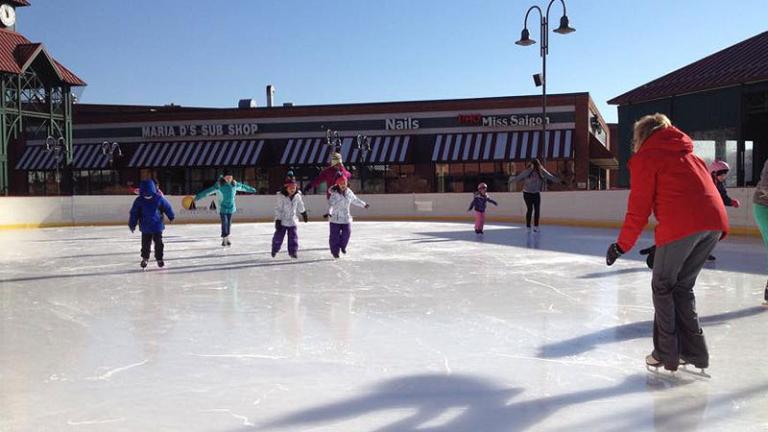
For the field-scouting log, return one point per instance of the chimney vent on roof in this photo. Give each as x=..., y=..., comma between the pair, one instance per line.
x=246, y=103
x=270, y=96
x=287, y=104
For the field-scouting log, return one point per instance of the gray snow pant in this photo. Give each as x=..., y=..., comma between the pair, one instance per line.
x=676, y=330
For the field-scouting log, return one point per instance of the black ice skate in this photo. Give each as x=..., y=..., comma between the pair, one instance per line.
x=344, y=251
x=702, y=370
x=765, y=297
x=294, y=256
x=160, y=263
x=226, y=239
x=144, y=263
x=274, y=254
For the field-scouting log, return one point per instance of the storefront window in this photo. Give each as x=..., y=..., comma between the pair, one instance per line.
x=464, y=177
x=749, y=178
x=371, y=178
x=172, y=181
x=406, y=179
x=36, y=182
x=201, y=178
x=104, y=182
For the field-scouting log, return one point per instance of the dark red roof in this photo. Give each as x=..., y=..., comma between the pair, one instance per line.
x=745, y=62
x=19, y=2
x=16, y=51
x=26, y=52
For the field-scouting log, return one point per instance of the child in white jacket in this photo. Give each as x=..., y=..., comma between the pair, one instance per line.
x=339, y=202
x=289, y=205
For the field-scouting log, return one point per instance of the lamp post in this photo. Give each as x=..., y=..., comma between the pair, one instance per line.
x=57, y=147
x=109, y=149
x=525, y=40
x=363, y=144
x=333, y=140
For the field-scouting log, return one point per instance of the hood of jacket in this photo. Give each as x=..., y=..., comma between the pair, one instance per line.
x=669, y=139
x=147, y=188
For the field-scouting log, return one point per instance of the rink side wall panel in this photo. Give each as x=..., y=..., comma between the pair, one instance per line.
x=587, y=208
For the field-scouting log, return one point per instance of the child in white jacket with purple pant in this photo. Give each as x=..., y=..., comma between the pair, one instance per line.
x=339, y=202
x=289, y=206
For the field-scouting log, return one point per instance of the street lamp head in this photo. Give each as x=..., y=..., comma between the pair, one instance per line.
x=525, y=38
x=565, y=27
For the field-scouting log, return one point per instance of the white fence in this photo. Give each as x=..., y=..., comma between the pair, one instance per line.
x=592, y=208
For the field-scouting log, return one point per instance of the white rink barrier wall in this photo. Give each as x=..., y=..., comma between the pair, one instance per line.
x=581, y=208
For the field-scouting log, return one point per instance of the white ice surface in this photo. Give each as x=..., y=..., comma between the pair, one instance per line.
x=421, y=327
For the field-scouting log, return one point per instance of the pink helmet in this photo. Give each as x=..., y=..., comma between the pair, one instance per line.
x=719, y=167
x=482, y=185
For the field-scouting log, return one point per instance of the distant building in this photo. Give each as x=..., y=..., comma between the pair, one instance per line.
x=721, y=101
x=414, y=147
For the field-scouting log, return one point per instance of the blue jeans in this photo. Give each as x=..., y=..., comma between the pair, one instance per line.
x=226, y=223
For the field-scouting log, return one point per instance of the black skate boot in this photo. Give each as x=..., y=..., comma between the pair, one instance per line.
x=344, y=251
x=294, y=256
x=765, y=297
x=226, y=239
x=274, y=254
x=160, y=263
x=223, y=241
x=144, y=263
x=684, y=363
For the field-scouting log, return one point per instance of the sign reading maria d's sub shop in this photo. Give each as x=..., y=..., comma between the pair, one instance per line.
x=209, y=130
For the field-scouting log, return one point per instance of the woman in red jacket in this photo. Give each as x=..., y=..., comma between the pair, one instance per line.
x=668, y=180
x=330, y=174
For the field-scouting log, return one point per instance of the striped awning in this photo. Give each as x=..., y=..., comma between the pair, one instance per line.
x=197, y=154
x=315, y=151
x=85, y=157
x=503, y=146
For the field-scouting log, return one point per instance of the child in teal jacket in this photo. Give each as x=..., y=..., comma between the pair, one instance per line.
x=226, y=189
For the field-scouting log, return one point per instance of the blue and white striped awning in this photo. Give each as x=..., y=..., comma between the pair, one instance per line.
x=85, y=157
x=503, y=146
x=315, y=151
x=197, y=154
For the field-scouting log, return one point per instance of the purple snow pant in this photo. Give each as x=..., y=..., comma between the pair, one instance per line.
x=339, y=237
x=293, y=240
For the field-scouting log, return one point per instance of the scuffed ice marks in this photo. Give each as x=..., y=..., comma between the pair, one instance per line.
x=421, y=326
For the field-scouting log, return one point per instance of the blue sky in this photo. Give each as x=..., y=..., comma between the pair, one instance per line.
x=200, y=53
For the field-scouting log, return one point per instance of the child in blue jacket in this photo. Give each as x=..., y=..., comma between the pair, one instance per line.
x=147, y=211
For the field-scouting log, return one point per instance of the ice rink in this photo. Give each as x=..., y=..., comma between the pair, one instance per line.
x=420, y=327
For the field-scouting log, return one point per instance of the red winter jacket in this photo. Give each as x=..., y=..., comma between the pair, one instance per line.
x=328, y=176
x=673, y=183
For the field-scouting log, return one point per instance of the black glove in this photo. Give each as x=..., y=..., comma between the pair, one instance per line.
x=651, y=252
x=326, y=216
x=305, y=217
x=278, y=224
x=614, y=252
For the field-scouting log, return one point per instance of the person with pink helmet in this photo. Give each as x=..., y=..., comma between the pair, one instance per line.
x=719, y=171
x=479, y=202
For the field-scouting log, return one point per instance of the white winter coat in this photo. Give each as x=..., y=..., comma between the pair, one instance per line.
x=338, y=206
x=287, y=210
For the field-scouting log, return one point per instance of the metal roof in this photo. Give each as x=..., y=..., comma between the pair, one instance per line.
x=745, y=62
x=17, y=52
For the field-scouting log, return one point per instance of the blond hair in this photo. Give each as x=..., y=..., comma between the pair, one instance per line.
x=646, y=126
